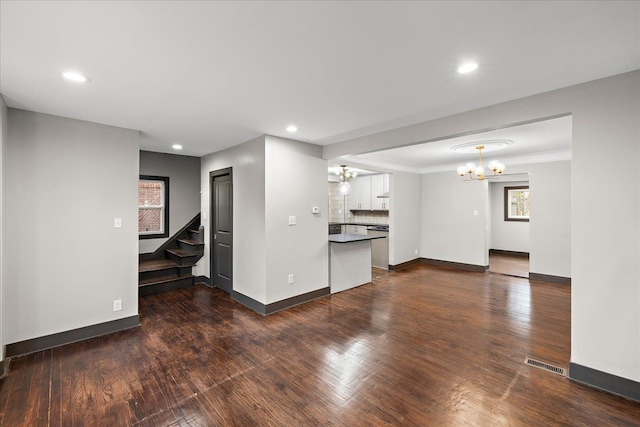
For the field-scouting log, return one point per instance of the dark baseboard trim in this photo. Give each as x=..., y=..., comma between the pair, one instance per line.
x=608, y=382
x=297, y=300
x=3, y=365
x=456, y=265
x=404, y=265
x=54, y=340
x=266, y=309
x=202, y=279
x=549, y=278
x=249, y=302
x=510, y=253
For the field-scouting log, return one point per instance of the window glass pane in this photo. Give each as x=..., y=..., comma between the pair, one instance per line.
x=150, y=193
x=519, y=203
x=153, y=217
x=150, y=220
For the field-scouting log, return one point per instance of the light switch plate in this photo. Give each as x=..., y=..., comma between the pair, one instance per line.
x=292, y=220
x=117, y=222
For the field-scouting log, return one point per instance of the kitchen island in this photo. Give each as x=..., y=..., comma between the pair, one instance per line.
x=349, y=260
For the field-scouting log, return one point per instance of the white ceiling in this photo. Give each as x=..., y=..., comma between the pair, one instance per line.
x=548, y=140
x=210, y=75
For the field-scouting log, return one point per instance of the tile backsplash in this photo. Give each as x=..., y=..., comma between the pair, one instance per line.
x=338, y=213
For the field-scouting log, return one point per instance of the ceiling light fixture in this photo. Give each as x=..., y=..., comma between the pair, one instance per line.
x=345, y=175
x=75, y=77
x=176, y=147
x=467, y=67
x=470, y=168
x=292, y=128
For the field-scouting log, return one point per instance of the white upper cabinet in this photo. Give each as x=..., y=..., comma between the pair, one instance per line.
x=360, y=195
x=365, y=191
x=379, y=185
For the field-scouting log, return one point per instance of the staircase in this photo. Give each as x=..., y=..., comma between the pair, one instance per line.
x=170, y=266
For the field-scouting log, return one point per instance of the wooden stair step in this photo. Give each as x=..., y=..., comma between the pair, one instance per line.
x=190, y=242
x=165, y=285
x=155, y=264
x=151, y=282
x=194, y=231
x=180, y=252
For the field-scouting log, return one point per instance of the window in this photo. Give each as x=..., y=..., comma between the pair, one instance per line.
x=516, y=203
x=153, y=207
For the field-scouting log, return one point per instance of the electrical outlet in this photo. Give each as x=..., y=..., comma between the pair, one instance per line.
x=117, y=304
x=291, y=279
x=416, y=252
x=292, y=220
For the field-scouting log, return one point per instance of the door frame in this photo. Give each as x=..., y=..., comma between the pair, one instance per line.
x=212, y=176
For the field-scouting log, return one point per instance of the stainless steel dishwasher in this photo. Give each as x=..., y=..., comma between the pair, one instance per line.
x=379, y=247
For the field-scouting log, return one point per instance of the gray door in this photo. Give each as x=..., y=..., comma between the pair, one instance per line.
x=222, y=232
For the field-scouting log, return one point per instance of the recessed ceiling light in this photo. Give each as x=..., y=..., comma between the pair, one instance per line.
x=467, y=67
x=292, y=128
x=75, y=77
x=176, y=147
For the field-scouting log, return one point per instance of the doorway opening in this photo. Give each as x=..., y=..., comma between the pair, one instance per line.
x=509, y=216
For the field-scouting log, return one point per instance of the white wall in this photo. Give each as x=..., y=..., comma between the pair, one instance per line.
x=184, y=190
x=404, y=217
x=248, y=163
x=273, y=178
x=450, y=230
x=550, y=223
x=3, y=141
x=65, y=182
x=295, y=182
x=506, y=235
x=605, y=234
x=549, y=229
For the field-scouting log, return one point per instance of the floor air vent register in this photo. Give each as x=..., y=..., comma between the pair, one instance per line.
x=547, y=367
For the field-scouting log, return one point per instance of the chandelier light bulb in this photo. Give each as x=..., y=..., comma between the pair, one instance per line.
x=344, y=188
x=470, y=167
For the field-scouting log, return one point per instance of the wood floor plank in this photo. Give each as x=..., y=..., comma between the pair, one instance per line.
x=422, y=346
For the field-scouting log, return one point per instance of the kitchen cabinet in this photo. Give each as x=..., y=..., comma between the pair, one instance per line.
x=379, y=185
x=365, y=191
x=360, y=194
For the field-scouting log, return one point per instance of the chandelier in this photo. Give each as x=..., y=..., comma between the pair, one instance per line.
x=345, y=175
x=470, y=169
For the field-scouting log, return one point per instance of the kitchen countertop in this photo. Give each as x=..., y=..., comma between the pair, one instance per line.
x=348, y=238
x=368, y=224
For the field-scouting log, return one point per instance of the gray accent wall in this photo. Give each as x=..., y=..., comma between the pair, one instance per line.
x=604, y=205
x=184, y=190
x=64, y=262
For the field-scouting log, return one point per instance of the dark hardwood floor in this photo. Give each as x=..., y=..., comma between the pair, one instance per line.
x=509, y=264
x=419, y=347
